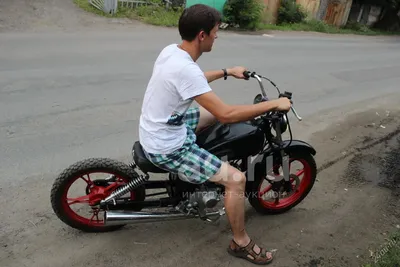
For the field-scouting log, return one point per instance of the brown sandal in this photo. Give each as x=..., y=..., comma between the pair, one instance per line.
x=248, y=253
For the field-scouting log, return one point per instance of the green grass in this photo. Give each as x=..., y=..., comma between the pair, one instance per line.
x=157, y=15
x=389, y=254
x=319, y=26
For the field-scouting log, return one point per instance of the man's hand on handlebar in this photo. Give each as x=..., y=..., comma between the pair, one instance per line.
x=283, y=104
x=237, y=72
x=246, y=74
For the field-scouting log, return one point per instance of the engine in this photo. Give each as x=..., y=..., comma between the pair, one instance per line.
x=202, y=200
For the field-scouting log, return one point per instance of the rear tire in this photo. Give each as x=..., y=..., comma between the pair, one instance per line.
x=310, y=173
x=77, y=170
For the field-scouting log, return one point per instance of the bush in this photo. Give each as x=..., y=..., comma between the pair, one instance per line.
x=246, y=13
x=319, y=26
x=355, y=26
x=290, y=12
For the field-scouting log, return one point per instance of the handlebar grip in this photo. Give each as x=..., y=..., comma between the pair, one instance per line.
x=246, y=74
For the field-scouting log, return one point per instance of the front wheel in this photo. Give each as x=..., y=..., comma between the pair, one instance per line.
x=91, y=192
x=267, y=201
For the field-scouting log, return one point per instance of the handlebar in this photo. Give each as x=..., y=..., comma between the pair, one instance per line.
x=248, y=75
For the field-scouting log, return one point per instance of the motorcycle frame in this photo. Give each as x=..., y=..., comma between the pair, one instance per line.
x=273, y=147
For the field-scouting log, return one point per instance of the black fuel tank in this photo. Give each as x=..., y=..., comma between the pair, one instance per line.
x=236, y=140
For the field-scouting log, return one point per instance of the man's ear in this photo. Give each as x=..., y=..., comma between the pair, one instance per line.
x=202, y=35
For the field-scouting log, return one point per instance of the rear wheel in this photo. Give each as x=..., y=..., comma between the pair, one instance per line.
x=93, y=190
x=267, y=201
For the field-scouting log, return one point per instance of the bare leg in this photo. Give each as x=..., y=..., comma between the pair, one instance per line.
x=234, y=182
x=206, y=119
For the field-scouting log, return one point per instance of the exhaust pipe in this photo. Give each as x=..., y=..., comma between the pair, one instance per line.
x=132, y=217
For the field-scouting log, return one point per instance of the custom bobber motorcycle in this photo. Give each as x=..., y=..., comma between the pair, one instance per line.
x=255, y=147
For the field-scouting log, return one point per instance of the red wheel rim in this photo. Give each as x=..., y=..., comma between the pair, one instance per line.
x=95, y=220
x=285, y=202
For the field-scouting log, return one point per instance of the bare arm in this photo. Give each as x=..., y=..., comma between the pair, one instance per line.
x=235, y=113
x=236, y=72
x=214, y=75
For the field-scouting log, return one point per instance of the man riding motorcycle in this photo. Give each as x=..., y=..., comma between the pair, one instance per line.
x=168, y=125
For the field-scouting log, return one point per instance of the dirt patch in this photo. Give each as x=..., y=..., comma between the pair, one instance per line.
x=45, y=15
x=381, y=169
x=359, y=174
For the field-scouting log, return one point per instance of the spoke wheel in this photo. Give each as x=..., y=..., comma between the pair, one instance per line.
x=91, y=193
x=268, y=201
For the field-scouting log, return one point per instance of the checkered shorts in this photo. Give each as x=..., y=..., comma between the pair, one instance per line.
x=194, y=164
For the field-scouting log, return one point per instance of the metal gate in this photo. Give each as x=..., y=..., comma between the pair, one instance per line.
x=107, y=6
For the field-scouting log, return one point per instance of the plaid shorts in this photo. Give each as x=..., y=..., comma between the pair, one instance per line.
x=192, y=163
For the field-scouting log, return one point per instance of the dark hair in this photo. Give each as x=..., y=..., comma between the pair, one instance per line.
x=198, y=18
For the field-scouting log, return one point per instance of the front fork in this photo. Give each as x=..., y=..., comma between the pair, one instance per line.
x=282, y=161
x=286, y=172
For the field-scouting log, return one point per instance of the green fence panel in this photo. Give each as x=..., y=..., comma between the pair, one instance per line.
x=217, y=4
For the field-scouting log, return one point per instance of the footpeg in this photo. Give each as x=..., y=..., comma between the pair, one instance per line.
x=217, y=215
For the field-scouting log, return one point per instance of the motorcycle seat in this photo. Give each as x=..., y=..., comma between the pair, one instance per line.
x=142, y=162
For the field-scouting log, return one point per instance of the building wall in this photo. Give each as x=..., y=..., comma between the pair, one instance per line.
x=333, y=12
x=338, y=12
x=310, y=6
x=271, y=10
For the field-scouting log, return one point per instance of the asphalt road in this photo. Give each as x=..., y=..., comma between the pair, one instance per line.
x=68, y=96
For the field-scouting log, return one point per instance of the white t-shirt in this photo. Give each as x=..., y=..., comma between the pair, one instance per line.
x=176, y=79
